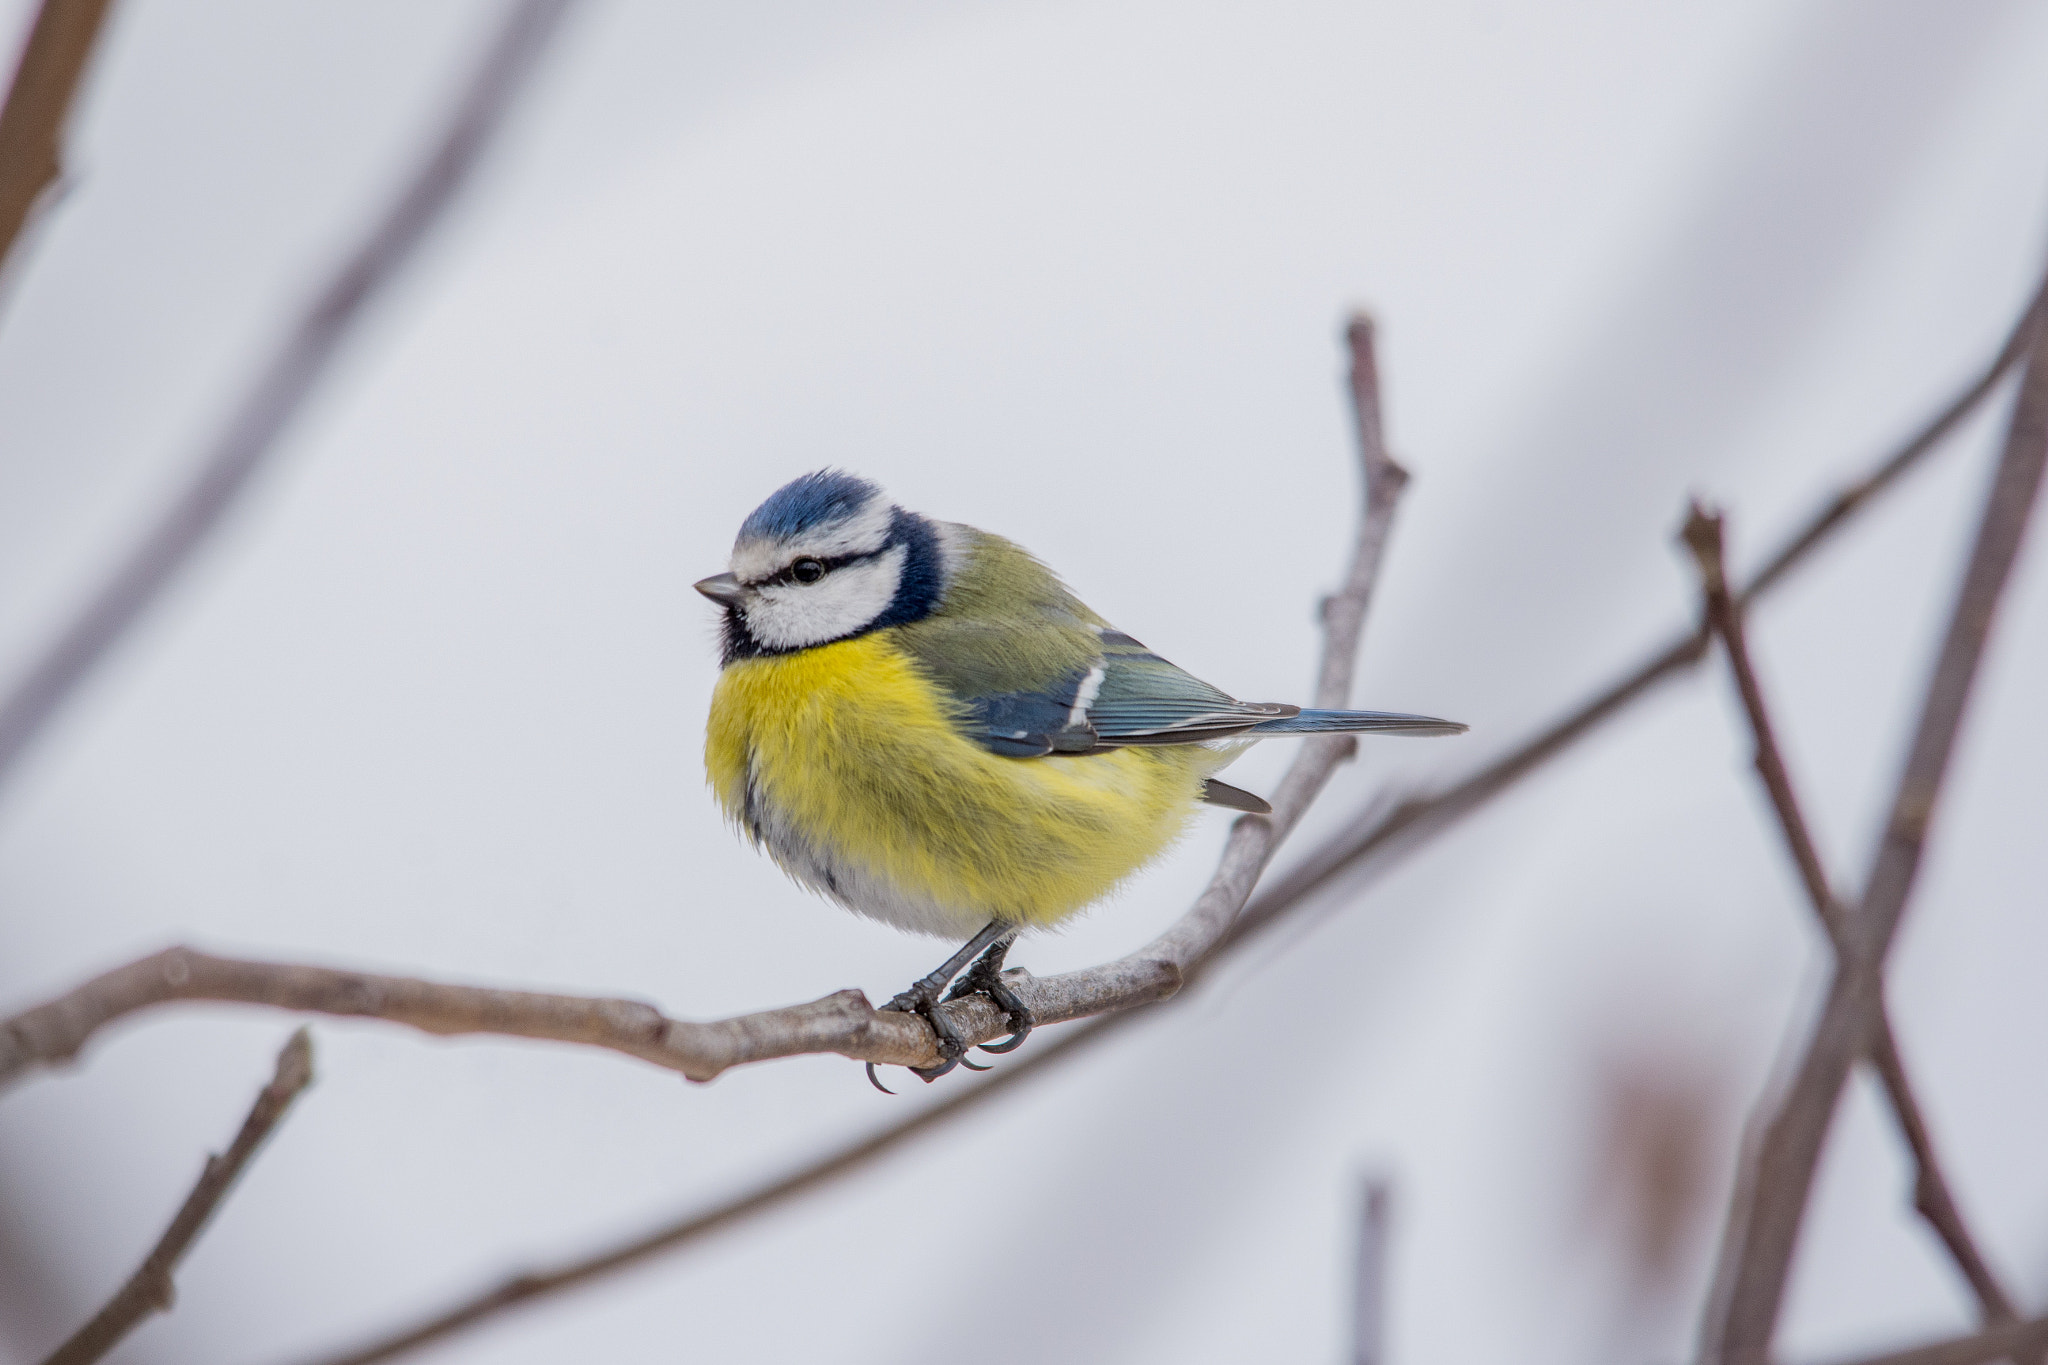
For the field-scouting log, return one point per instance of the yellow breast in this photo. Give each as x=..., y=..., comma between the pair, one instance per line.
x=845, y=762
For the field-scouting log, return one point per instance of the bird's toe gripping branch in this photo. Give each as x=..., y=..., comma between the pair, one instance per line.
x=986, y=975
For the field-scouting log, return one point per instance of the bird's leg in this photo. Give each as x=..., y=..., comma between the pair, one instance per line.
x=923, y=999
x=986, y=975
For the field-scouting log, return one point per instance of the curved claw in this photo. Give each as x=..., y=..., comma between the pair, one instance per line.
x=876, y=1081
x=972, y=1067
x=928, y=1074
x=1010, y=1044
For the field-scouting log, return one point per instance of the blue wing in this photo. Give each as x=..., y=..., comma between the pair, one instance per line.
x=1127, y=695
x=1124, y=694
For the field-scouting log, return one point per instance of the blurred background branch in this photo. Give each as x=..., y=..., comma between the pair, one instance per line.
x=1704, y=535
x=2009, y=1340
x=1369, y=1275
x=46, y=78
x=1376, y=832
x=151, y=1289
x=1772, y=1194
x=282, y=387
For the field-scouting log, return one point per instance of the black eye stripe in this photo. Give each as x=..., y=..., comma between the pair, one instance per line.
x=787, y=573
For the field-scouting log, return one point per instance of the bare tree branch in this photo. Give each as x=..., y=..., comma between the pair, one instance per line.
x=1764, y=1219
x=843, y=1022
x=2013, y=1339
x=1381, y=835
x=1703, y=534
x=46, y=79
x=55, y=1031
x=283, y=387
x=1343, y=617
x=1375, y=833
x=150, y=1288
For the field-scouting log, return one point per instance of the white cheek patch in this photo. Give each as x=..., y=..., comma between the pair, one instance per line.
x=797, y=615
x=860, y=534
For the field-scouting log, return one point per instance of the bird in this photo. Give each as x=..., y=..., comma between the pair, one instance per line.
x=921, y=722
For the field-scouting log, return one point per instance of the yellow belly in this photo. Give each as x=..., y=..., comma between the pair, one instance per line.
x=844, y=762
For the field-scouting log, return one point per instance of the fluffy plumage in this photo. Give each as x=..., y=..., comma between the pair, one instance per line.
x=919, y=720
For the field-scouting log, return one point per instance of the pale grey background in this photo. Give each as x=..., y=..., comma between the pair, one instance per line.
x=1073, y=272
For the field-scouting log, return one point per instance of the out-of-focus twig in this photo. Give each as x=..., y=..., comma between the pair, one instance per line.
x=1369, y=1276
x=1932, y=1197
x=150, y=1288
x=1375, y=834
x=2009, y=1340
x=38, y=104
x=773, y=1194
x=284, y=384
x=1771, y=1193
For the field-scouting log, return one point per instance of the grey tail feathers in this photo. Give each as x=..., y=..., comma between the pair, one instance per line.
x=1233, y=798
x=1383, y=722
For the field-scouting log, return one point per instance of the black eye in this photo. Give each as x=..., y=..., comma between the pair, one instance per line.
x=807, y=571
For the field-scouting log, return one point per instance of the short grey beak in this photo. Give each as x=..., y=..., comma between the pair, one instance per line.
x=722, y=588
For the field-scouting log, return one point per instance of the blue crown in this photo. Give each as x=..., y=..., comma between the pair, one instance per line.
x=803, y=504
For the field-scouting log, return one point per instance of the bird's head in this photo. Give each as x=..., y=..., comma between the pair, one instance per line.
x=825, y=558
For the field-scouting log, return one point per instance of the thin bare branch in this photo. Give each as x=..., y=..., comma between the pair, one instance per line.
x=1764, y=1219
x=279, y=392
x=54, y=1032
x=46, y=80
x=1376, y=834
x=2009, y=1340
x=1379, y=834
x=1853, y=498
x=1703, y=535
x=1187, y=947
x=1932, y=1197
x=843, y=1022
x=150, y=1289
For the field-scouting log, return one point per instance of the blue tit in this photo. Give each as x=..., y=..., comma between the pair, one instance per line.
x=919, y=721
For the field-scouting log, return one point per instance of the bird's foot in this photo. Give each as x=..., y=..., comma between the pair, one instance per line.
x=923, y=1000
x=928, y=993
x=986, y=976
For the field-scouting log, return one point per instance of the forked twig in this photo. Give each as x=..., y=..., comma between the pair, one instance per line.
x=1374, y=834
x=150, y=1289
x=1932, y=1197
x=1771, y=1193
